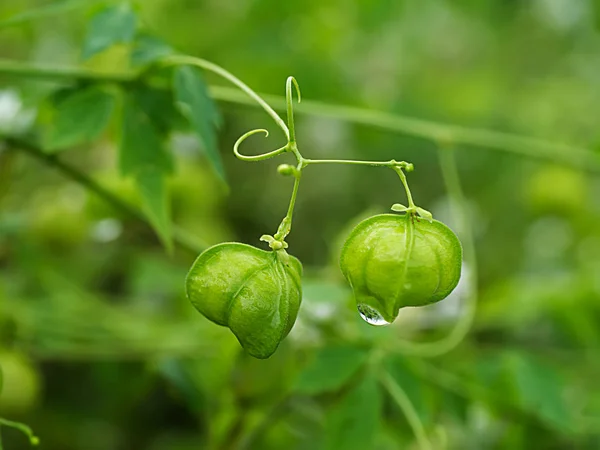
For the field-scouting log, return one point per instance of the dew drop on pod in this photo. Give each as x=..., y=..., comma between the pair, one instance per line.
x=392, y=261
x=253, y=292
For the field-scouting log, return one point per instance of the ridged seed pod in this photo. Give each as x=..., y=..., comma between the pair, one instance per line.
x=392, y=261
x=255, y=293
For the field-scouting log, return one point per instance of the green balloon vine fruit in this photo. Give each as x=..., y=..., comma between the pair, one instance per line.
x=392, y=261
x=253, y=292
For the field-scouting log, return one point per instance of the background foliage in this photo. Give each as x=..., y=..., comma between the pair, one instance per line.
x=101, y=350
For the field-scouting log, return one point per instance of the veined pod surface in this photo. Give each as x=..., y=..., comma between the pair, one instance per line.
x=392, y=261
x=256, y=293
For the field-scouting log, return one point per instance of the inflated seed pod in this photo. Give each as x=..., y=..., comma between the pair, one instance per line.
x=256, y=293
x=392, y=261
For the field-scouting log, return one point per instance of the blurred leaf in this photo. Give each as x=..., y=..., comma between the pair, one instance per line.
x=43, y=11
x=112, y=25
x=539, y=388
x=80, y=118
x=157, y=104
x=147, y=49
x=489, y=370
x=177, y=373
x=142, y=154
x=354, y=422
x=196, y=104
x=330, y=370
x=141, y=146
x=152, y=187
x=261, y=381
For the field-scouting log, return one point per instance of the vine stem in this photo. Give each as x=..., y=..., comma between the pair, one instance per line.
x=33, y=439
x=402, y=400
x=574, y=156
x=286, y=224
x=177, y=60
x=289, y=130
x=19, y=69
x=411, y=203
x=183, y=238
x=390, y=163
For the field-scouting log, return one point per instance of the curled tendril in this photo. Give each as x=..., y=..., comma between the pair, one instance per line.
x=288, y=88
x=260, y=157
x=289, y=103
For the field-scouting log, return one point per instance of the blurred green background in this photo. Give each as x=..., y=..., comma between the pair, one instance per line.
x=100, y=348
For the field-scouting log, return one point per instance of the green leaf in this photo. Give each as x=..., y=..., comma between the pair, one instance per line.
x=354, y=422
x=158, y=105
x=112, y=25
x=147, y=49
x=330, y=370
x=178, y=374
x=142, y=154
x=141, y=146
x=80, y=118
x=539, y=389
x=197, y=106
x=153, y=191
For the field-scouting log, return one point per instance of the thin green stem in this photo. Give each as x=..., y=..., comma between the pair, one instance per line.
x=400, y=172
x=402, y=400
x=47, y=72
x=207, y=65
x=395, y=165
x=574, y=156
x=286, y=224
x=463, y=326
x=391, y=163
x=571, y=155
x=33, y=439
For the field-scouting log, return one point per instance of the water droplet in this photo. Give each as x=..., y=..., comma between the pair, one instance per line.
x=371, y=315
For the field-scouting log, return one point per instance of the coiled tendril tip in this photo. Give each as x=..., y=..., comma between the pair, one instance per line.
x=260, y=157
